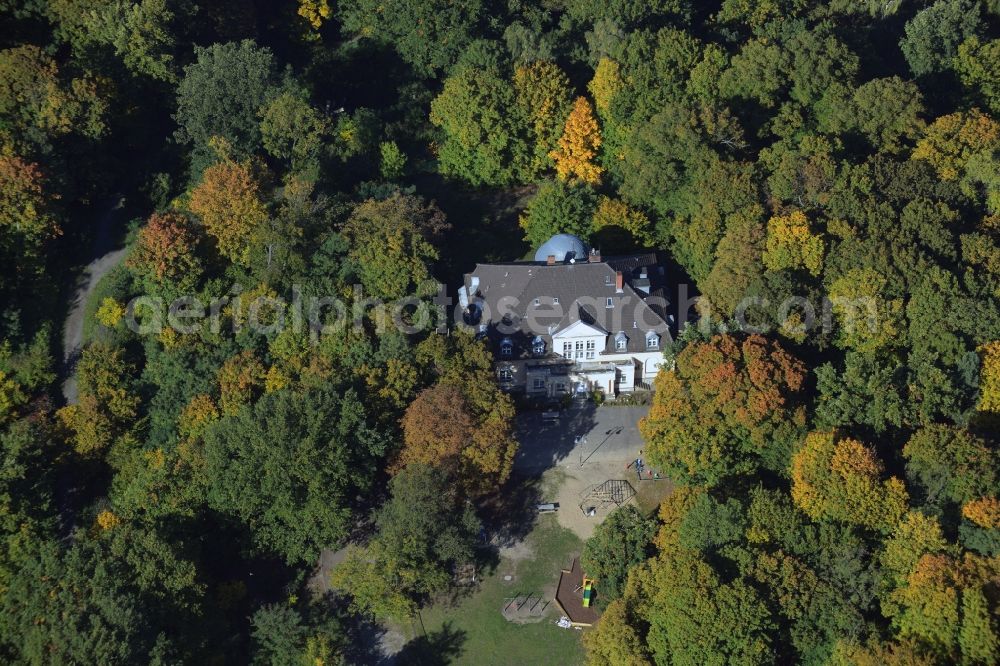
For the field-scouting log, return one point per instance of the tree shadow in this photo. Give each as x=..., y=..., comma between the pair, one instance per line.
x=433, y=649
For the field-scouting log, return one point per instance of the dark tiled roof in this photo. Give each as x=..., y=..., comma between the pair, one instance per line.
x=522, y=300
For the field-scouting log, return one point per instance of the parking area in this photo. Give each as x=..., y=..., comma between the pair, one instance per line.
x=582, y=435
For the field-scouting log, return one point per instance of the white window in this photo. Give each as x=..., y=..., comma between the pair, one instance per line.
x=537, y=302
x=579, y=345
x=506, y=373
x=579, y=354
x=611, y=302
x=538, y=384
x=506, y=347
x=567, y=349
x=653, y=342
x=590, y=354
x=621, y=342
x=590, y=345
x=556, y=300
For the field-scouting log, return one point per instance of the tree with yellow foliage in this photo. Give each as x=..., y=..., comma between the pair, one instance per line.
x=197, y=415
x=616, y=226
x=240, y=378
x=107, y=407
x=838, y=478
x=110, y=312
x=951, y=141
x=949, y=608
x=616, y=640
x=314, y=11
x=790, y=244
x=544, y=95
x=916, y=535
x=989, y=378
x=868, y=319
x=577, y=147
x=606, y=83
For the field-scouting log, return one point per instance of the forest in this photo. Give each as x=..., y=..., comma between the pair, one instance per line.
x=167, y=490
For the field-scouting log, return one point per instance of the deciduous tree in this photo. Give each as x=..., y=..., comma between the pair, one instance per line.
x=836, y=478
x=221, y=95
x=487, y=137
x=228, y=202
x=731, y=404
x=621, y=542
x=933, y=35
x=165, y=256
x=791, y=244
x=576, y=152
x=392, y=244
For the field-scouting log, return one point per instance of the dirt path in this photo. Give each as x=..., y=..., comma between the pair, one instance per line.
x=106, y=259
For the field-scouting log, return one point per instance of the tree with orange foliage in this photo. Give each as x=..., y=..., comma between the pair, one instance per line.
x=836, y=478
x=228, y=202
x=25, y=210
x=732, y=404
x=437, y=426
x=576, y=151
x=984, y=512
x=164, y=254
x=442, y=428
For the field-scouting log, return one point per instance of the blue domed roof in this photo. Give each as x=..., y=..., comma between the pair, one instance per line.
x=563, y=247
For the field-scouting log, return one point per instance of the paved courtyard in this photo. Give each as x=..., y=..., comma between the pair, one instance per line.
x=606, y=435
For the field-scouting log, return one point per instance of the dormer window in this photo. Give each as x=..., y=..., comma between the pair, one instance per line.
x=538, y=346
x=505, y=373
x=506, y=347
x=611, y=302
x=652, y=341
x=621, y=342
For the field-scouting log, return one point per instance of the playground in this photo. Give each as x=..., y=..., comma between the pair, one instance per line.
x=514, y=606
x=570, y=474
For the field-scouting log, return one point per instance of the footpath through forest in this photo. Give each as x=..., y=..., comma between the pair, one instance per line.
x=106, y=257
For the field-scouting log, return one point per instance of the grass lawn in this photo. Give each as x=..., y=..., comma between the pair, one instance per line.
x=474, y=629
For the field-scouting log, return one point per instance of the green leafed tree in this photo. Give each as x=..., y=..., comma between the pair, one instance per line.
x=621, y=542
x=222, y=94
x=934, y=34
x=424, y=531
x=487, y=138
x=306, y=456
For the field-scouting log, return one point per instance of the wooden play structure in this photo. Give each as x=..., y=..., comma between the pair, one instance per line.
x=613, y=492
x=575, y=594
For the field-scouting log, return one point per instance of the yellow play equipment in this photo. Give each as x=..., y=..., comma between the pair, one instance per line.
x=588, y=591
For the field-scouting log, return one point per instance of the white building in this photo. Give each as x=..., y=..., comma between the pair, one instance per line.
x=571, y=321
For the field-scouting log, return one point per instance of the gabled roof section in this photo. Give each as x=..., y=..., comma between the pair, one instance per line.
x=579, y=329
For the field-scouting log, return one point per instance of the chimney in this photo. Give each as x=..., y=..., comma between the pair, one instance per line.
x=619, y=282
x=551, y=260
x=595, y=256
